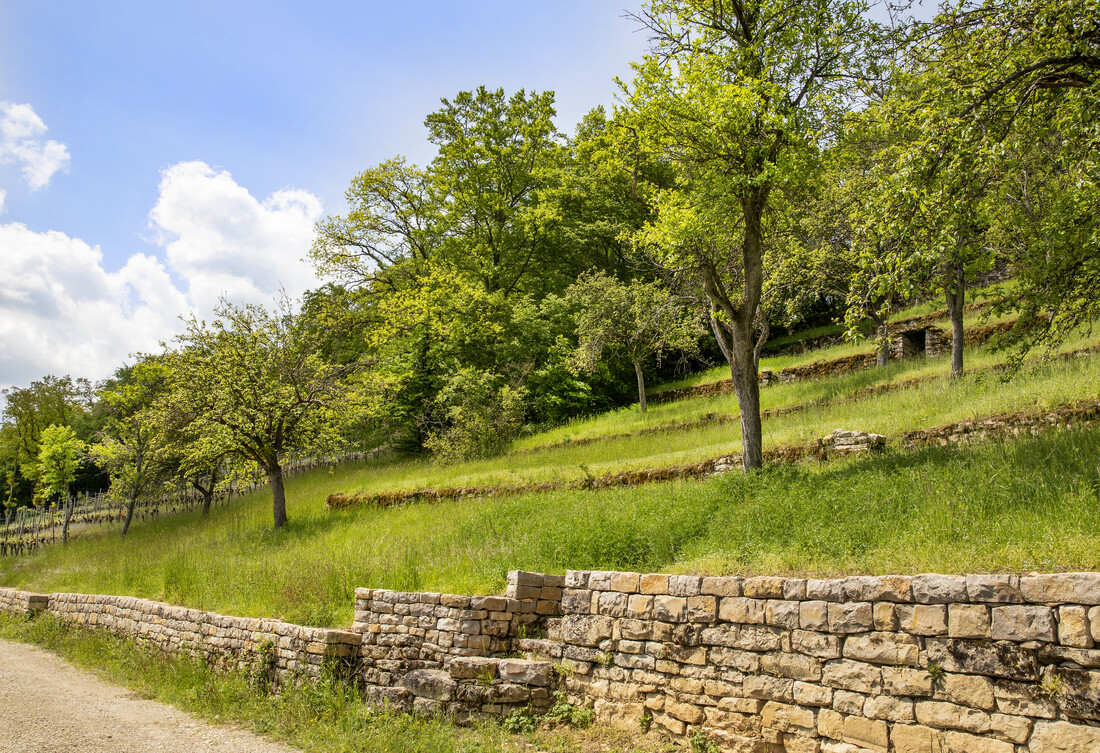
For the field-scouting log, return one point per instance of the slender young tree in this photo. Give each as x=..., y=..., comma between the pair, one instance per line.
x=59, y=456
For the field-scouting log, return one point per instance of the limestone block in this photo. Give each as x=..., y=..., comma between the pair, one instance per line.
x=852, y=675
x=625, y=582
x=669, y=608
x=1094, y=623
x=763, y=587
x=768, y=688
x=823, y=590
x=968, y=621
x=639, y=607
x=1063, y=737
x=600, y=580
x=724, y=586
x=787, y=718
x=1078, y=691
x=685, y=712
x=813, y=615
x=576, y=579
x=888, y=708
x=993, y=658
x=781, y=613
x=966, y=690
x=702, y=608
x=912, y=738
x=735, y=659
x=525, y=671
x=430, y=683
x=939, y=589
x=613, y=604
x=885, y=617
x=654, y=584
x=1013, y=729
x=821, y=645
x=1023, y=623
x=867, y=733
x=923, y=619
x=684, y=585
x=585, y=630
x=810, y=694
x=847, y=702
x=743, y=611
x=794, y=589
x=893, y=649
x=1073, y=627
x=943, y=715
x=1062, y=588
x=890, y=588
x=960, y=742
x=851, y=617
x=897, y=681
x=794, y=666
x=759, y=638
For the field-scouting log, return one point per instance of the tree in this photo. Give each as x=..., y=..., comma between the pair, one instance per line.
x=132, y=446
x=738, y=96
x=253, y=386
x=59, y=456
x=637, y=318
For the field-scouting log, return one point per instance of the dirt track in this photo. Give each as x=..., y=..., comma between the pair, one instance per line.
x=48, y=706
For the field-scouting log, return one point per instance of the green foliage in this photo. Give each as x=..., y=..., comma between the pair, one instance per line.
x=518, y=723
x=480, y=416
x=59, y=456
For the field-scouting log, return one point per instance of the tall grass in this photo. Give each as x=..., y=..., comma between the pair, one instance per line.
x=1028, y=504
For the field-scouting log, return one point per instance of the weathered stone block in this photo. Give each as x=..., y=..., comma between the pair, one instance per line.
x=794, y=666
x=809, y=694
x=576, y=579
x=968, y=621
x=939, y=589
x=888, y=708
x=430, y=683
x=1073, y=627
x=794, y=589
x=787, y=718
x=851, y=617
x=781, y=613
x=996, y=589
x=912, y=738
x=763, y=587
x=950, y=716
x=743, y=611
x=821, y=645
x=967, y=690
x=1062, y=588
x=669, y=608
x=768, y=688
x=702, y=608
x=613, y=604
x=1013, y=729
x=759, y=638
x=1077, y=691
x=685, y=712
x=585, y=630
x=893, y=649
x=625, y=582
x=1023, y=623
x=1063, y=737
x=847, y=702
x=684, y=585
x=653, y=584
x=923, y=619
x=898, y=681
x=729, y=585
x=885, y=617
x=851, y=675
x=813, y=615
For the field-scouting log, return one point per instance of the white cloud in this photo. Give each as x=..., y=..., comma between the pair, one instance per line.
x=2, y=195
x=21, y=143
x=61, y=312
x=224, y=242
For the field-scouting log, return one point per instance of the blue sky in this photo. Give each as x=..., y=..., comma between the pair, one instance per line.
x=154, y=156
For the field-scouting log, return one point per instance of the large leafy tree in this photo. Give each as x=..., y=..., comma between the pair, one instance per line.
x=738, y=97
x=252, y=385
x=60, y=454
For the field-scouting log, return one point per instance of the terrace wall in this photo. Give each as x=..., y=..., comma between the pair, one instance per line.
x=891, y=664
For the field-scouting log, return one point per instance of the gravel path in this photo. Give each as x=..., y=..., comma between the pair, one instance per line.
x=48, y=706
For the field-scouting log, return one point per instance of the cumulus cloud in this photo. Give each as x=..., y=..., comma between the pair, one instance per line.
x=222, y=241
x=21, y=143
x=62, y=312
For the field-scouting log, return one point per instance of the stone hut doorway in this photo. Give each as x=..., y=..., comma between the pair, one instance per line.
x=914, y=343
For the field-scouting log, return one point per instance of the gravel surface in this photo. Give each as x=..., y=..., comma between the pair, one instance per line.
x=48, y=706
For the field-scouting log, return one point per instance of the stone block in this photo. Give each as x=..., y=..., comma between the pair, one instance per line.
x=794, y=666
x=968, y=621
x=851, y=675
x=613, y=604
x=781, y=613
x=821, y=645
x=1021, y=623
x=525, y=671
x=992, y=658
x=430, y=683
x=923, y=619
x=1013, y=729
x=912, y=738
x=787, y=718
x=759, y=638
x=729, y=585
x=898, y=681
x=966, y=690
x=847, y=702
x=1062, y=588
x=625, y=582
x=851, y=617
x=763, y=587
x=1094, y=624
x=866, y=733
x=888, y=708
x=669, y=608
x=702, y=608
x=823, y=590
x=813, y=615
x=943, y=715
x=893, y=649
x=994, y=589
x=685, y=712
x=768, y=688
x=1023, y=699
x=1063, y=737
x=939, y=589
x=585, y=630
x=639, y=607
x=684, y=585
x=653, y=584
x=810, y=694
x=1073, y=627
x=950, y=741
x=576, y=579
x=885, y=617
x=743, y=611
x=794, y=589
x=1077, y=691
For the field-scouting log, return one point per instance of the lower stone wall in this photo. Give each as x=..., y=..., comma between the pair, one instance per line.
x=880, y=664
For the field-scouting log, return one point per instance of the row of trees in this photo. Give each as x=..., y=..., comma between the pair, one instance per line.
x=768, y=162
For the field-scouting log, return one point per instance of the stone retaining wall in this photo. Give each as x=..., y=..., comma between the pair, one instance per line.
x=886, y=664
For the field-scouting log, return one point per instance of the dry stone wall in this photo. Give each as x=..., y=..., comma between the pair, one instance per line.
x=880, y=664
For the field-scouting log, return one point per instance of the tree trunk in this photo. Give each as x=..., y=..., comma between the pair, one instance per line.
x=883, y=325
x=69, y=504
x=641, y=383
x=956, y=296
x=275, y=475
x=129, y=514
